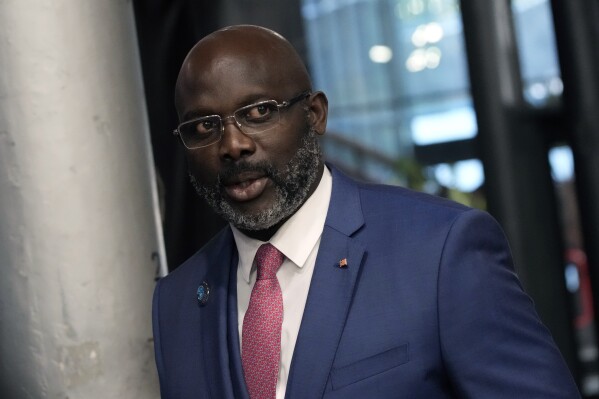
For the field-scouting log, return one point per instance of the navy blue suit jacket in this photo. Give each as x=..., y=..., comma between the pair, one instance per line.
x=428, y=306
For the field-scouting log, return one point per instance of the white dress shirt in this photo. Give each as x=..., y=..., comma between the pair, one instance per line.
x=298, y=239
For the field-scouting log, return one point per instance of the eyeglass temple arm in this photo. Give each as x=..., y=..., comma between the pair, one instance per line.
x=295, y=99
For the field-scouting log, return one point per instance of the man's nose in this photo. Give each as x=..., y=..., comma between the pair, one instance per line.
x=235, y=144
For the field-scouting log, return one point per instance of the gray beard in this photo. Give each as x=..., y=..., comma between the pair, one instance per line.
x=292, y=186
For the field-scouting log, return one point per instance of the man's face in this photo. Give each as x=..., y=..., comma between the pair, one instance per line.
x=291, y=185
x=254, y=181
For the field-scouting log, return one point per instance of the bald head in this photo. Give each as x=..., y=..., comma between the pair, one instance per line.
x=254, y=57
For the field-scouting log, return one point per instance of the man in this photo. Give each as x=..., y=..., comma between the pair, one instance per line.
x=323, y=287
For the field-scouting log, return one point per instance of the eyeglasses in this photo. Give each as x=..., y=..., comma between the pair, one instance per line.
x=251, y=119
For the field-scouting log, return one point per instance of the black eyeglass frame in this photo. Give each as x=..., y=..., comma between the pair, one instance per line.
x=280, y=106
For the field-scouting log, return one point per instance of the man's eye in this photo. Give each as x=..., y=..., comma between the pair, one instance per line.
x=259, y=112
x=206, y=126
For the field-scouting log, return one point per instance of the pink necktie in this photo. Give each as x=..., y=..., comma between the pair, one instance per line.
x=261, y=334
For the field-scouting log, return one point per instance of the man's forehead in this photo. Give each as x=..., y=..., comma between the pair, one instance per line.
x=223, y=63
x=228, y=83
x=231, y=74
x=225, y=55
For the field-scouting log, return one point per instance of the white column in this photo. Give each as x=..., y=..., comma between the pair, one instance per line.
x=80, y=239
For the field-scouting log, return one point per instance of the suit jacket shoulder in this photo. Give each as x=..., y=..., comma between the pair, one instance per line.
x=437, y=309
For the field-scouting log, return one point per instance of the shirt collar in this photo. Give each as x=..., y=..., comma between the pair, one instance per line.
x=297, y=236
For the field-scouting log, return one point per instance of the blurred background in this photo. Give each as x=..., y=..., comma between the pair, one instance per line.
x=491, y=104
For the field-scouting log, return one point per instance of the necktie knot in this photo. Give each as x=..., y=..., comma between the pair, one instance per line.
x=268, y=261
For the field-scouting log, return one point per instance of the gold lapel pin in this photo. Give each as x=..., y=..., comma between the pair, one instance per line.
x=343, y=262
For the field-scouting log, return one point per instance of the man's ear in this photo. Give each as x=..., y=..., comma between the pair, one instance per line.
x=318, y=108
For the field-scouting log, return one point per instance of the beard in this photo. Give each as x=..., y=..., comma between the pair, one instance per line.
x=292, y=186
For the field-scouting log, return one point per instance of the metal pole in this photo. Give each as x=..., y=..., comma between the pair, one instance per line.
x=577, y=38
x=79, y=232
x=513, y=148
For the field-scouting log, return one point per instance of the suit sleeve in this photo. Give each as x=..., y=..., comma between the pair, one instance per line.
x=493, y=343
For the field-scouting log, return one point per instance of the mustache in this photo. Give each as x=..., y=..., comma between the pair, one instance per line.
x=233, y=170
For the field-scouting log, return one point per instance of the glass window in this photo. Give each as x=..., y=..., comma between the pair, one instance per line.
x=396, y=76
x=541, y=77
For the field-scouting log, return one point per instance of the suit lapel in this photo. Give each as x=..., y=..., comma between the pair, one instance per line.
x=330, y=294
x=213, y=318
x=238, y=380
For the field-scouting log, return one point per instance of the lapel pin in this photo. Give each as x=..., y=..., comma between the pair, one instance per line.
x=203, y=293
x=343, y=262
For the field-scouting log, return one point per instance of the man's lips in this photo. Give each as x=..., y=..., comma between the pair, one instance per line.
x=245, y=186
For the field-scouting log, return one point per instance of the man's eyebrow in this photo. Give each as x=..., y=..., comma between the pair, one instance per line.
x=196, y=113
x=244, y=101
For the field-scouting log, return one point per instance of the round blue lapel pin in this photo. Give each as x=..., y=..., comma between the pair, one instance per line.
x=203, y=293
